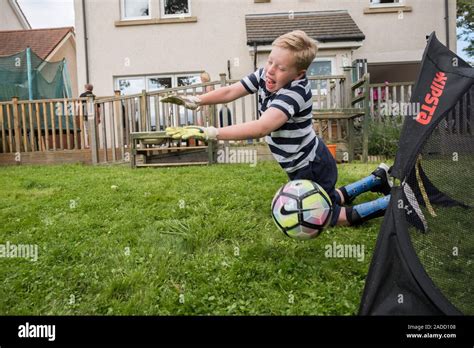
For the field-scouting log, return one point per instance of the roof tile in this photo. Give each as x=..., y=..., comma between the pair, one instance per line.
x=41, y=41
x=320, y=25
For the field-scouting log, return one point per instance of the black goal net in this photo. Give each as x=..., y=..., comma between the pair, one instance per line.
x=423, y=263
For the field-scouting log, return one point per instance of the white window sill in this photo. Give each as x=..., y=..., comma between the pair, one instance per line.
x=128, y=22
x=180, y=16
x=387, y=9
x=142, y=18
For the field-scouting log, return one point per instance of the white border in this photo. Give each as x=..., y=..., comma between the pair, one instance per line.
x=122, y=12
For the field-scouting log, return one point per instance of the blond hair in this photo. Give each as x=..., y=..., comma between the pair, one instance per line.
x=303, y=47
x=205, y=76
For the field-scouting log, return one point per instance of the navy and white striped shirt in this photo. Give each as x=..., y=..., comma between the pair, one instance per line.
x=294, y=144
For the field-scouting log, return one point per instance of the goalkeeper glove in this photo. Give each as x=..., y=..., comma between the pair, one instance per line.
x=200, y=133
x=188, y=101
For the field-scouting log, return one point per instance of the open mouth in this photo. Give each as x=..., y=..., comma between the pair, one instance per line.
x=270, y=83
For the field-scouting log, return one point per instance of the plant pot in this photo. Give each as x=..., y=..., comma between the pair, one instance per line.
x=332, y=149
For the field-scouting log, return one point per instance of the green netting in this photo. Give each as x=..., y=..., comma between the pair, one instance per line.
x=28, y=77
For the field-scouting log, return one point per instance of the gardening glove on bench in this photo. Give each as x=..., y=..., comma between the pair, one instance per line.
x=188, y=101
x=200, y=133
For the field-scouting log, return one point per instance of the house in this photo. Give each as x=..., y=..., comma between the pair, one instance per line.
x=133, y=45
x=51, y=45
x=12, y=17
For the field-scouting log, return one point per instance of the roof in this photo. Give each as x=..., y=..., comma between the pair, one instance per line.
x=41, y=41
x=263, y=29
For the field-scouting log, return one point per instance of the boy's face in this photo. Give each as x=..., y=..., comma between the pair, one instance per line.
x=281, y=69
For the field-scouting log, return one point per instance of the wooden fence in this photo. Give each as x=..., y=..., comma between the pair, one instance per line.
x=98, y=131
x=391, y=99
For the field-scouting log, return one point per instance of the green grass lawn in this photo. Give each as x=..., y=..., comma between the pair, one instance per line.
x=169, y=241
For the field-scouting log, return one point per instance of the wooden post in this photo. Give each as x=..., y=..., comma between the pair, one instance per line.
x=112, y=130
x=225, y=110
x=32, y=135
x=224, y=106
x=133, y=151
x=93, y=141
x=143, y=111
x=103, y=130
x=53, y=124
x=194, y=112
x=2, y=125
x=346, y=99
x=365, y=124
x=16, y=124
x=347, y=90
x=350, y=138
x=60, y=123
x=166, y=116
x=74, y=123
x=38, y=127
x=66, y=118
x=23, y=123
x=46, y=127
x=10, y=129
x=119, y=122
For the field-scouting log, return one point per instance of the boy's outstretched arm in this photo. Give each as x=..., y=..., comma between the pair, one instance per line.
x=271, y=120
x=219, y=96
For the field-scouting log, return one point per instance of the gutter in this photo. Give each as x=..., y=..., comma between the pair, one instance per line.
x=85, y=39
x=446, y=19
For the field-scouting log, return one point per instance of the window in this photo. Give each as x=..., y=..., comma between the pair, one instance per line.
x=382, y=3
x=135, y=9
x=132, y=85
x=175, y=8
x=188, y=80
x=135, y=85
x=157, y=83
x=319, y=67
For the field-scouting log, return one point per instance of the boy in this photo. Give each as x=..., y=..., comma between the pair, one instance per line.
x=285, y=105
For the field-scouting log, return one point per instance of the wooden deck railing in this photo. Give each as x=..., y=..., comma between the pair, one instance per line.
x=42, y=125
x=101, y=128
x=382, y=95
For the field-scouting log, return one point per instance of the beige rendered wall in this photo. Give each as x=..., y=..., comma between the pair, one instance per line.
x=390, y=39
x=219, y=35
x=68, y=51
x=8, y=17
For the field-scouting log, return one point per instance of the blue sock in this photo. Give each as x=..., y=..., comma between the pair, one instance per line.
x=363, y=185
x=366, y=211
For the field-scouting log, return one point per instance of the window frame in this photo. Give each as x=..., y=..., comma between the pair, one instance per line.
x=331, y=59
x=118, y=78
x=184, y=113
x=177, y=76
x=146, y=78
x=180, y=15
x=122, y=12
x=398, y=3
x=158, y=76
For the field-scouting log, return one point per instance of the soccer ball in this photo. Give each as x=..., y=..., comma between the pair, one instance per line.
x=301, y=209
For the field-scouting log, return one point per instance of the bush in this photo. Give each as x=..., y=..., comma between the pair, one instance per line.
x=384, y=136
